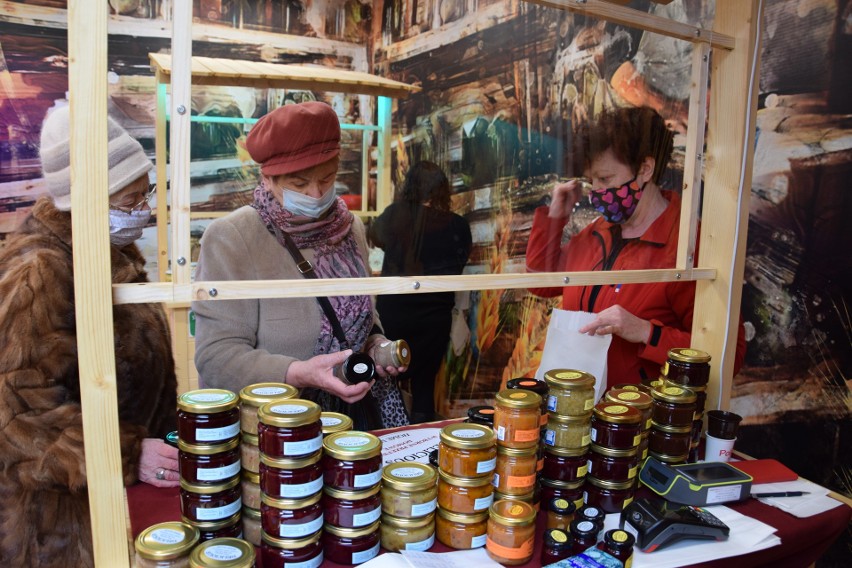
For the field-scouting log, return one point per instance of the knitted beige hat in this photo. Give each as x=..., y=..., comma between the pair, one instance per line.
x=127, y=159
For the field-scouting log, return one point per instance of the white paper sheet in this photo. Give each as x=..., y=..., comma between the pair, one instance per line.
x=817, y=501
x=411, y=559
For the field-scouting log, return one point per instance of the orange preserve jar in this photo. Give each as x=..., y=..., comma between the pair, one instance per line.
x=517, y=418
x=464, y=495
x=516, y=469
x=511, y=532
x=468, y=450
x=461, y=532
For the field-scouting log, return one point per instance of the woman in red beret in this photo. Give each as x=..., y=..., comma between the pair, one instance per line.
x=291, y=340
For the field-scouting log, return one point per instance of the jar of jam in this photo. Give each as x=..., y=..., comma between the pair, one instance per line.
x=208, y=416
x=671, y=460
x=700, y=401
x=417, y=533
x=200, y=503
x=392, y=353
x=483, y=415
x=351, y=509
x=467, y=450
x=584, y=534
x=613, y=465
x=291, y=478
x=165, y=545
x=638, y=400
x=619, y=544
x=516, y=470
x=351, y=546
x=570, y=432
x=673, y=406
x=592, y=513
x=358, y=368
x=560, y=513
x=208, y=464
x=517, y=418
x=250, y=453
x=291, y=518
x=254, y=396
x=352, y=461
x=610, y=496
x=643, y=445
x=556, y=546
x=635, y=387
x=616, y=426
x=285, y=553
x=251, y=525
x=333, y=422
x=223, y=553
x=568, y=490
x=409, y=490
x=250, y=487
x=572, y=393
x=464, y=495
x=687, y=367
x=289, y=428
x=511, y=532
x=563, y=464
x=670, y=440
x=226, y=528
x=461, y=532
x=538, y=387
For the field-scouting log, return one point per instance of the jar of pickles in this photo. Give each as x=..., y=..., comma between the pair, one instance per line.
x=563, y=464
x=351, y=509
x=165, y=545
x=291, y=478
x=464, y=495
x=572, y=393
x=516, y=470
x=483, y=415
x=468, y=450
x=517, y=418
x=208, y=416
x=285, y=553
x=616, y=426
x=613, y=465
x=223, y=553
x=673, y=406
x=254, y=396
x=687, y=367
x=291, y=518
x=461, y=532
x=670, y=440
x=333, y=422
x=638, y=400
x=225, y=528
x=250, y=452
x=200, y=503
x=511, y=532
x=351, y=546
x=352, y=461
x=538, y=387
x=416, y=533
x=409, y=490
x=289, y=428
x=571, y=432
x=610, y=496
x=208, y=464
x=570, y=491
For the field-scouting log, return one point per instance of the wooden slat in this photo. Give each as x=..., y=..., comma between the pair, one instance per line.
x=179, y=146
x=162, y=181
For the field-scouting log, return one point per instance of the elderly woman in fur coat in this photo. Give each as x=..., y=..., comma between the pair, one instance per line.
x=44, y=509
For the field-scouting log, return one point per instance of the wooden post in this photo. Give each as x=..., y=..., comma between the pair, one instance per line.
x=160, y=155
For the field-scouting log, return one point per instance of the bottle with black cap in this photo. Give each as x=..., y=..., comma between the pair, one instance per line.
x=358, y=368
x=556, y=545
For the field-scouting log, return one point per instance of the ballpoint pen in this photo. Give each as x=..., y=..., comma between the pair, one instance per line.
x=781, y=494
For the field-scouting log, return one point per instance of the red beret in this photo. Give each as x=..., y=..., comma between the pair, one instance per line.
x=294, y=137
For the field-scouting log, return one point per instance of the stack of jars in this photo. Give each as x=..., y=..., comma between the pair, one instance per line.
x=209, y=462
x=517, y=423
x=519, y=480
x=642, y=402
x=613, y=459
x=352, y=474
x=690, y=368
x=467, y=457
x=672, y=418
x=409, y=498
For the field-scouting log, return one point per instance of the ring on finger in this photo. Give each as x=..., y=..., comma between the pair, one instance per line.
x=160, y=474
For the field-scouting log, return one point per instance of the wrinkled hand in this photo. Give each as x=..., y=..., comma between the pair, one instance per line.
x=157, y=455
x=370, y=346
x=318, y=372
x=616, y=320
x=564, y=197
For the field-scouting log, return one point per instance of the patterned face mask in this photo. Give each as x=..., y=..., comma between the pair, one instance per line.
x=124, y=227
x=617, y=204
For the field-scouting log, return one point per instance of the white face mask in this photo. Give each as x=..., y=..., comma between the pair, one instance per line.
x=124, y=228
x=307, y=206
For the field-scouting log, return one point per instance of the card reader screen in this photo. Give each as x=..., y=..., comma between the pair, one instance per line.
x=709, y=474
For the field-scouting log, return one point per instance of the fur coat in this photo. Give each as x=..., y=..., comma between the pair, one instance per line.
x=44, y=510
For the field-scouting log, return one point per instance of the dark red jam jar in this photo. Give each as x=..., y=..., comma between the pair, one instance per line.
x=289, y=428
x=584, y=534
x=291, y=478
x=205, y=464
x=351, y=509
x=700, y=400
x=351, y=546
x=687, y=367
x=639, y=400
x=673, y=406
x=619, y=544
x=613, y=465
x=565, y=464
x=556, y=545
x=285, y=553
x=592, y=513
x=616, y=426
x=204, y=503
x=483, y=415
x=568, y=490
x=223, y=553
x=227, y=528
x=671, y=460
x=609, y=496
x=291, y=518
x=208, y=416
x=670, y=440
x=352, y=461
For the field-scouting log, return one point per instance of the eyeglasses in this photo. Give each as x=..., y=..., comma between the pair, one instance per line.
x=152, y=188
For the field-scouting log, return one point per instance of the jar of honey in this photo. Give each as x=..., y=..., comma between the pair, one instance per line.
x=613, y=465
x=254, y=396
x=516, y=470
x=291, y=478
x=464, y=495
x=571, y=432
x=409, y=490
x=639, y=400
x=563, y=464
x=511, y=532
x=289, y=428
x=610, y=496
x=687, y=367
x=351, y=509
x=517, y=418
x=333, y=422
x=673, y=406
x=352, y=461
x=414, y=533
x=351, y=546
x=461, y=532
x=208, y=464
x=616, y=426
x=165, y=545
x=467, y=450
x=291, y=518
x=285, y=553
x=208, y=416
x=572, y=393
x=223, y=553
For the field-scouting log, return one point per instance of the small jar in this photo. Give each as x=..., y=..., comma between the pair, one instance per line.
x=165, y=545
x=635, y=387
x=616, y=426
x=254, y=396
x=516, y=470
x=638, y=400
x=570, y=491
x=511, y=532
x=483, y=415
x=619, y=544
x=250, y=487
x=226, y=528
x=351, y=546
x=286, y=553
x=560, y=513
x=223, y=553
x=670, y=440
x=461, y=532
x=592, y=513
x=352, y=461
x=687, y=367
x=517, y=418
x=585, y=535
x=562, y=464
x=557, y=545
x=673, y=406
x=464, y=495
x=392, y=353
x=408, y=534
x=200, y=503
x=570, y=432
x=409, y=490
x=358, y=368
x=289, y=428
x=538, y=387
x=333, y=422
x=572, y=393
x=291, y=478
x=251, y=525
x=351, y=509
x=291, y=518
x=613, y=465
x=612, y=497
x=467, y=450
x=250, y=452
x=671, y=460
x=529, y=498
x=208, y=464
x=208, y=416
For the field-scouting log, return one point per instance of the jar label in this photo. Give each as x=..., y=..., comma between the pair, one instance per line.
x=627, y=501
x=301, y=489
x=368, y=479
x=551, y=403
x=673, y=390
x=593, y=435
x=422, y=545
x=619, y=536
x=288, y=409
x=549, y=437
x=568, y=375
x=330, y=421
x=364, y=519
x=217, y=473
x=315, y=562
x=559, y=536
x=501, y=433
x=351, y=441
x=590, y=403
x=520, y=481
x=424, y=508
x=628, y=395
x=268, y=391
x=408, y=472
x=223, y=552
x=587, y=439
x=304, y=529
x=302, y=448
x=518, y=395
x=615, y=409
x=588, y=468
x=665, y=369
x=579, y=502
x=364, y=555
x=495, y=481
x=483, y=503
x=207, y=397
x=522, y=552
x=531, y=435
x=648, y=424
x=478, y=541
x=637, y=439
x=584, y=469
x=360, y=368
x=216, y=434
x=586, y=526
x=167, y=536
x=468, y=433
x=486, y=466
x=217, y=513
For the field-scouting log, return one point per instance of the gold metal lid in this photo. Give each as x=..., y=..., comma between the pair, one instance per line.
x=671, y=429
x=166, y=541
x=568, y=378
x=290, y=504
x=517, y=452
x=687, y=355
x=335, y=422
x=207, y=449
x=467, y=436
x=636, y=399
x=665, y=458
x=463, y=518
x=402, y=352
x=511, y=512
x=518, y=398
x=259, y=394
x=603, y=484
x=674, y=394
x=351, y=495
x=352, y=533
x=409, y=476
x=250, y=439
x=209, y=489
x=561, y=484
x=408, y=523
x=464, y=481
x=206, y=401
x=636, y=387
x=289, y=413
x=223, y=553
x=251, y=476
x=213, y=526
x=290, y=543
x=565, y=419
x=352, y=446
x=285, y=463
x=253, y=514
x=525, y=497
x=609, y=452
x=566, y=452
x=617, y=413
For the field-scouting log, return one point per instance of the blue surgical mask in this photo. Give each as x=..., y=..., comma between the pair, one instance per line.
x=124, y=227
x=307, y=206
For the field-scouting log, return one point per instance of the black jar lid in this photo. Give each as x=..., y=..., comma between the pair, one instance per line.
x=618, y=539
x=591, y=513
x=535, y=385
x=562, y=506
x=584, y=528
x=433, y=458
x=481, y=415
x=558, y=540
x=358, y=368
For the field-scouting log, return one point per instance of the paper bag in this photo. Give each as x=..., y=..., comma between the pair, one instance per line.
x=567, y=348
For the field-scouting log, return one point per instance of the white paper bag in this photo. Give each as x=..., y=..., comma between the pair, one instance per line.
x=567, y=348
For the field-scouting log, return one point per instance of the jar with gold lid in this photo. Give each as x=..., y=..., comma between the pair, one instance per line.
x=250, y=487
x=414, y=533
x=516, y=470
x=511, y=532
x=538, y=387
x=670, y=440
x=409, y=490
x=224, y=528
x=289, y=428
x=352, y=461
x=639, y=400
x=460, y=531
x=564, y=464
x=613, y=465
x=165, y=545
x=635, y=387
x=223, y=553
x=208, y=463
x=700, y=401
x=291, y=518
x=467, y=450
x=251, y=525
x=254, y=396
x=616, y=426
x=392, y=353
x=208, y=416
x=351, y=509
x=200, y=503
x=287, y=553
x=291, y=478
x=525, y=497
x=464, y=495
x=571, y=491
x=517, y=418
x=609, y=496
x=673, y=406
x=572, y=393
x=351, y=546
x=250, y=452
x=671, y=460
x=571, y=432
x=333, y=422
x=687, y=367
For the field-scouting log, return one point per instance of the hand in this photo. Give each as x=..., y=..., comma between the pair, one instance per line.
x=369, y=348
x=563, y=199
x=616, y=320
x=158, y=457
x=318, y=372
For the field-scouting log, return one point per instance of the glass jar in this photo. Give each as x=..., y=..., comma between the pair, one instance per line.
x=556, y=545
x=289, y=428
x=254, y=396
x=165, y=545
x=358, y=368
x=223, y=553
x=208, y=464
x=638, y=400
x=291, y=518
x=464, y=495
x=562, y=464
x=461, y=532
x=286, y=553
x=671, y=460
x=208, y=416
x=200, y=503
x=616, y=426
x=351, y=546
x=408, y=534
x=351, y=509
x=516, y=470
x=250, y=487
x=352, y=461
x=511, y=532
x=251, y=525
x=291, y=478
x=687, y=367
x=529, y=498
x=333, y=422
x=568, y=490
x=467, y=450
x=433, y=458
x=570, y=432
x=409, y=490
x=517, y=418
x=592, y=513
x=560, y=513
x=226, y=528
x=572, y=393
x=635, y=387
x=538, y=387
x=673, y=406
x=250, y=452
x=619, y=544
x=700, y=401
x=643, y=445
x=670, y=440
x=483, y=415
x=612, y=497
x=585, y=535
x=392, y=353
x=613, y=465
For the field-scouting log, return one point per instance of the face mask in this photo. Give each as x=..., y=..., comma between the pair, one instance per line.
x=307, y=206
x=124, y=228
x=617, y=204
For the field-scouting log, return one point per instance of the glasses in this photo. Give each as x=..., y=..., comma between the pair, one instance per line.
x=138, y=206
